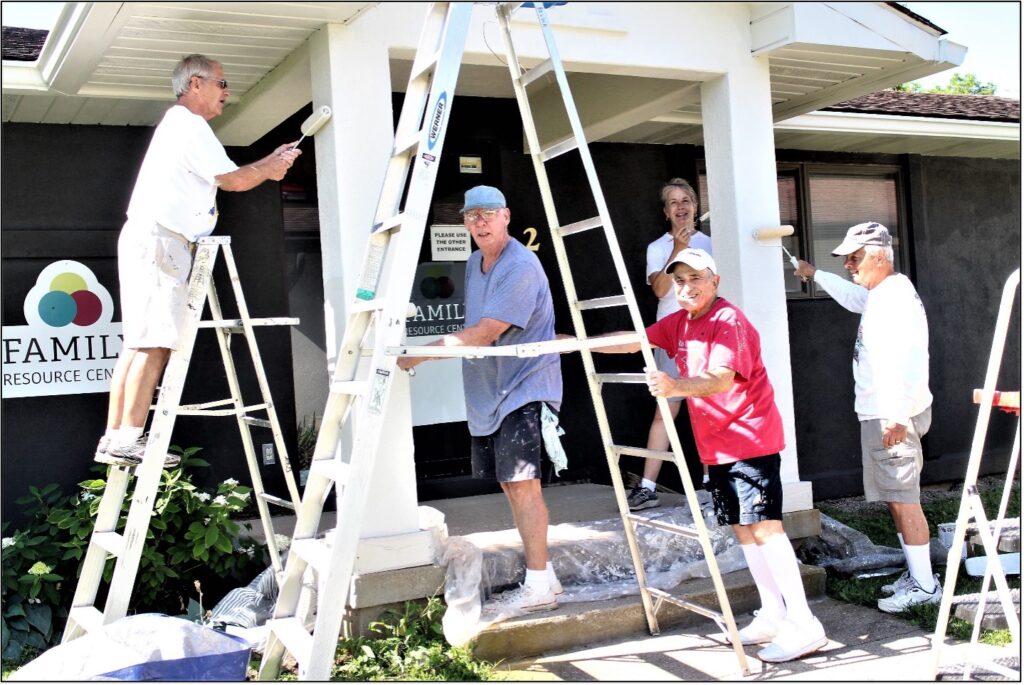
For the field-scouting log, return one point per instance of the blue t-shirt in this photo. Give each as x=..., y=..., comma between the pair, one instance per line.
x=515, y=291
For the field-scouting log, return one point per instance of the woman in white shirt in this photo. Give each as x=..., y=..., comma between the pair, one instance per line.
x=680, y=206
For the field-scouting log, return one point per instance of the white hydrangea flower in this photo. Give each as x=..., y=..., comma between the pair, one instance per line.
x=206, y=521
x=203, y=496
x=6, y=542
x=88, y=496
x=231, y=481
x=220, y=500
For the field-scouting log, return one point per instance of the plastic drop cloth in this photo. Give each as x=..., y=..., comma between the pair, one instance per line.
x=591, y=560
x=143, y=647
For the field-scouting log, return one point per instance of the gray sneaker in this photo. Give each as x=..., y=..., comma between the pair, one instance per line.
x=911, y=596
x=131, y=455
x=642, y=498
x=101, y=449
x=904, y=581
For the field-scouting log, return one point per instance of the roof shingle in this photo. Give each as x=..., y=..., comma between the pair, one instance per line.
x=936, y=105
x=22, y=45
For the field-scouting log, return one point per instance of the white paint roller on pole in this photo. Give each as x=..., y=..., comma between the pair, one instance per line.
x=777, y=232
x=314, y=123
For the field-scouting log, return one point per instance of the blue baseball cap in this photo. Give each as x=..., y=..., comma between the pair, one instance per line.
x=483, y=197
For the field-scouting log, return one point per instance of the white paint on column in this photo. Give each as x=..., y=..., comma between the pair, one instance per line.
x=740, y=153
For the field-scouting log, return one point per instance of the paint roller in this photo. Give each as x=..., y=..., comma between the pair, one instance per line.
x=314, y=123
x=777, y=232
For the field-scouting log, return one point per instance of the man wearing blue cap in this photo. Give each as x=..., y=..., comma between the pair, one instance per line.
x=508, y=302
x=892, y=399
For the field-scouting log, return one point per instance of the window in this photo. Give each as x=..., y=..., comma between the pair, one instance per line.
x=821, y=201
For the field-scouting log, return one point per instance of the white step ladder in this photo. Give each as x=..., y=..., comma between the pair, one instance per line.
x=127, y=546
x=971, y=507
x=376, y=321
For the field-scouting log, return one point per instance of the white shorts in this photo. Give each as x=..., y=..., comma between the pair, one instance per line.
x=153, y=265
x=668, y=365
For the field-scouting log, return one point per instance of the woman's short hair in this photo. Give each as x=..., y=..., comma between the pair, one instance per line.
x=680, y=183
x=192, y=65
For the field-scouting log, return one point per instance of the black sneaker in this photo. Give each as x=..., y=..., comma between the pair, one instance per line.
x=642, y=498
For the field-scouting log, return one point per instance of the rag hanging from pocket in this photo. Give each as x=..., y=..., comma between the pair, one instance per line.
x=549, y=431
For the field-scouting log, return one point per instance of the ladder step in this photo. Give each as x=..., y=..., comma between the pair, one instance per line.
x=664, y=455
x=360, y=306
x=683, y=531
x=279, y=501
x=205, y=410
x=332, y=469
x=392, y=223
x=235, y=325
x=558, y=149
x=407, y=144
x=259, y=423
x=427, y=68
x=89, y=619
x=603, y=302
x=538, y=71
x=580, y=226
x=111, y=541
x=313, y=551
x=621, y=377
x=685, y=604
x=357, y=388
x=294, y=636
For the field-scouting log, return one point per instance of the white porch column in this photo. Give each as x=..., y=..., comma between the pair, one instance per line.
x=350, y=73
x=740, y=151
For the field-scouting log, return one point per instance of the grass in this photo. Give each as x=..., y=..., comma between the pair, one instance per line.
x=878, y=526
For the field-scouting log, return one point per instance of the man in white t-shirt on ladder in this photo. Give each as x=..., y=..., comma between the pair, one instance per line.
x=173, y=205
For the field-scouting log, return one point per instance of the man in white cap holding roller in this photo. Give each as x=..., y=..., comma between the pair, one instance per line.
x=738, y=431
x=892, y=399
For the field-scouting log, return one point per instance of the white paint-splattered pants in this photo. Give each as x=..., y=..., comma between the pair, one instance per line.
x=153, y=265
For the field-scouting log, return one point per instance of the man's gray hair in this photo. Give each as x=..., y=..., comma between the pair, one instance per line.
x=884, y=251
x=192, y=65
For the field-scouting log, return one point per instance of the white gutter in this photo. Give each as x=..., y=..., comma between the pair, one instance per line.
x=888, y=124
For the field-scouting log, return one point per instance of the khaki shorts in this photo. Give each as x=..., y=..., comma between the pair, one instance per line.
x=668, y=365
x=153, y=265
x=893, y=474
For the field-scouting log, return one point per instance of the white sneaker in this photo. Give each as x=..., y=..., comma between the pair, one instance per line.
x=793, y=641
x=911, y=596
x=556, y=587
x=528, y=600
x=762, y=629
x=904, y=581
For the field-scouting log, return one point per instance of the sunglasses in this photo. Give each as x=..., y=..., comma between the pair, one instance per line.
x=220, y=82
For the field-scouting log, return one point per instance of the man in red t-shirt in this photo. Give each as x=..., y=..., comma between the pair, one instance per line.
x=738, y=431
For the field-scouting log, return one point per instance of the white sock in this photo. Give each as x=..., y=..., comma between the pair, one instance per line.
x=649, y=484
x=772, y=605
x=552, y=578
x=919, y=561
x=538, y=580
x=126, y=435
x=780, y=558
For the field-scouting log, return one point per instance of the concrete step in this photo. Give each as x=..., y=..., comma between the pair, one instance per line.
x=578, y=624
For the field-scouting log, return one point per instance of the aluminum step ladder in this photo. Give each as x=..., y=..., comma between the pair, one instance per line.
x=380, y=316
x=972, y=508
x=127, y=546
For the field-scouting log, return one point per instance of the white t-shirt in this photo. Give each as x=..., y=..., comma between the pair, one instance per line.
x=177, y=185
x=658, y=253
x=890, y=356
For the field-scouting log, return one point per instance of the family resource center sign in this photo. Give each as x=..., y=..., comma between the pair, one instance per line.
x=69, y=345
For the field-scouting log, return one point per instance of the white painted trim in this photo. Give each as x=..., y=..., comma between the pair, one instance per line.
x=22, y=77
x=888, y=124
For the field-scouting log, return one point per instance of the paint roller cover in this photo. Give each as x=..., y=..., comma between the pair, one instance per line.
x=774, y=232
x=316, y=120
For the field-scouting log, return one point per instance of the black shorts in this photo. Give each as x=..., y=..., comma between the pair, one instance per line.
x=511, y=453
x=748, y=491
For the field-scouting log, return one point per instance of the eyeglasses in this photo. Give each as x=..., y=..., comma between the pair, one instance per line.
x=219, y=81
x=485, y=214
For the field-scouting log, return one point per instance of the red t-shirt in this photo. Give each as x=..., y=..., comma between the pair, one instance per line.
x=742, y=422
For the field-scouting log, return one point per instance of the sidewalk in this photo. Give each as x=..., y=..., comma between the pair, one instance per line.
x=864, y=645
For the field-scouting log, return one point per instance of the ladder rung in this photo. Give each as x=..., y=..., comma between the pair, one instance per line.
x=88, y=619
x=214, y=240
x=558, y=149
x=408, y=144
x=427, y=67
x=392, y=223
x=664, y=455
x=603, y=302
x=279, y=501
x=314, y=551
x=357, y=388
x=235, y=325
x=695, y=608
x=580, y=226
x=111, y=541
x=667, y=527
x=360, y=305
x=621, y=377
x=538, y=71
x=332, y=469
x=259, y=423
x=205, y=405
x=294, y=636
